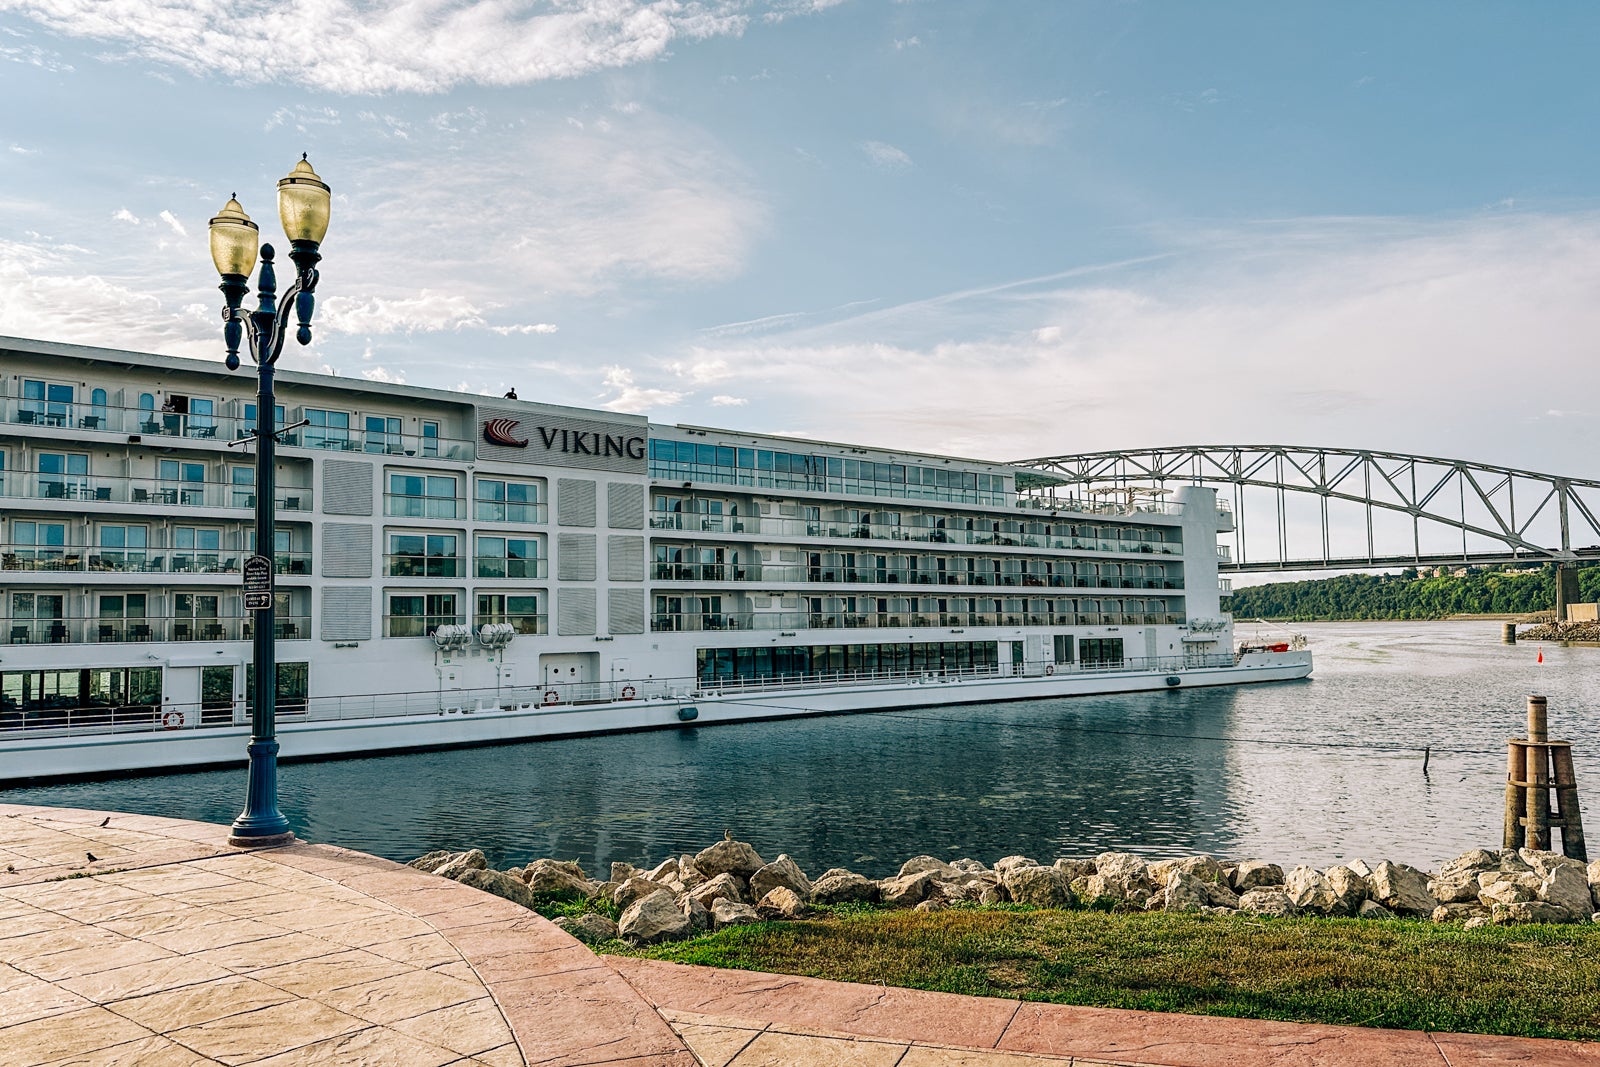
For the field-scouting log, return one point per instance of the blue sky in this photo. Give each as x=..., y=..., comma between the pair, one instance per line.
x=1003, y=229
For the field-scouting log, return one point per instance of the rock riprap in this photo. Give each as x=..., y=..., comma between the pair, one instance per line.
x=729, y=884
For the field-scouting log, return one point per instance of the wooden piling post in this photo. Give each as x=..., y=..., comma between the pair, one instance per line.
x=1534, y=766
x=1538, y=776
x=1508, y=633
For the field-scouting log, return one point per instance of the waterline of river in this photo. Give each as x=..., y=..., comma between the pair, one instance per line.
x=1317, y=771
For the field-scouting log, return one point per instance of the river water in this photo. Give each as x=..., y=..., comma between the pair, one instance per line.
x=1318, y=771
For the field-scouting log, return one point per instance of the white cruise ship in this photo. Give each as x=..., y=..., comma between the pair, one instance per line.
x=454, y=569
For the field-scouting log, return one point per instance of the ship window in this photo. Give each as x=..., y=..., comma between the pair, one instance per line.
x=327, y=429
x=420, y=614
x=430, y=439
x=419, y=555
x=294, y=688
x=520, y=610
x=431, y=496
x=383, y=435
x=507, y=557
x=502, y=500
x=1100, y=651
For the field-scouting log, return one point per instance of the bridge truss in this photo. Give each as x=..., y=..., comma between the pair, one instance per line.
x=1350, y=509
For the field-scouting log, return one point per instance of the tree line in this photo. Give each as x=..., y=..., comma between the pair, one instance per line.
x=1408, y=595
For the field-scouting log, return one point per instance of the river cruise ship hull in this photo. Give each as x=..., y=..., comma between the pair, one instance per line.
x=455, y=570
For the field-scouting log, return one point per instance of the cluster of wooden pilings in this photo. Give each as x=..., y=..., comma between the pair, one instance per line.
x=1535, y=767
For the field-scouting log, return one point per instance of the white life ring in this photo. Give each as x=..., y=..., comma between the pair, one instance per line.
x=629, y=692
x=1049, y=668
x=171, y=720
x=552, y=697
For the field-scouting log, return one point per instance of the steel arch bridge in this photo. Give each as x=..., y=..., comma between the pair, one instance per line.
x=1351, y=509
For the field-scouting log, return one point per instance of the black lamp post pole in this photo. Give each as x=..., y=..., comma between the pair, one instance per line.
x=303, y=200
x=261, y=822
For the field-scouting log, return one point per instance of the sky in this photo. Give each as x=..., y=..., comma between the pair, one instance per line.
x=1003, y=229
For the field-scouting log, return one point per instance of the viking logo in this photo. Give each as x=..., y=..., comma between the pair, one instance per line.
x=503, y=432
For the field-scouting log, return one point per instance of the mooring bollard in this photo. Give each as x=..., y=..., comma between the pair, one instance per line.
x=1534, y=766
x=1508, y=633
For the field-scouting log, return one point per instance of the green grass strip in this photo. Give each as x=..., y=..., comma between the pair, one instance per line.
x=1527, y=981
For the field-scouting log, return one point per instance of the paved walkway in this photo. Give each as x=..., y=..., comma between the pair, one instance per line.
x=130, y=939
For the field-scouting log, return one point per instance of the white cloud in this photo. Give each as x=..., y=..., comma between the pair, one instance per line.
x=629, y=397
x=427, y=311
x=729, y=401
x=122, y=214
x=1412, y=336
x=381, y=374
x=24, y=150
x=885, y=155
x=348, y=46
x=526, y=328
x=172, y=220
x=902, y=43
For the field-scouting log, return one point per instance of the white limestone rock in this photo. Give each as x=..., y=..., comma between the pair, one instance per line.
x=699, y=915
x=1532, y=911
x=665, y=871
x=688, y=873
x=432, y=861
x=840, y=886
x=906, y=892
x=1219, y=896
x=729, y=857
x=1254, y=874
x=1042, y=887
x=1566, y=885
x=781, y=903
x=1470, y=863
x=1371, y=909
x=723, y=887
x=781, y=871
x=731, y=913
x=1186, y=892
x=1269, y=902
x=1449, y=913
x=621, y=872
x=1002, y=865
x=654, y=919
x=1074, y=869
x=590, y=927
x=1402, y=889
x=1349, y=890
x=549, y=880
x=918, y=864
x=460, y=862
x=1459, y=887
x=1499, y=888
x=633, y=889
x=501, y=885
x=1309, y=890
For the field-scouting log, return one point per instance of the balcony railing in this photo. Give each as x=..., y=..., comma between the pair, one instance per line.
x=508, y=511
x=802, y=620
x=406, y=565
x=423, y=507
x=138, y=560
x=124, y=421
x=841, y=575
x=501, y=567
x=104, y=489
x=870, y=531
x=75, y=630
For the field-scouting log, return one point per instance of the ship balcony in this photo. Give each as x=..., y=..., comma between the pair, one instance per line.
x=111, y=420
x=502, y=567
x=508, y=511
x=869, y=531
x=138, y=561
x=100, y=489
x=407, y=565
x=677, y=622
x=73, y=630
x=838, y=575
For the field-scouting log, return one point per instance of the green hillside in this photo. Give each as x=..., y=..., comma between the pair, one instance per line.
x=1486, y=591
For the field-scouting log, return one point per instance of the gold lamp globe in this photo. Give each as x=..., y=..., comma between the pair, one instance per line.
x=303, y=204
x=235, y=240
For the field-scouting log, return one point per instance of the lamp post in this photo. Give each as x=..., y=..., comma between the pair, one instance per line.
x=303, y=205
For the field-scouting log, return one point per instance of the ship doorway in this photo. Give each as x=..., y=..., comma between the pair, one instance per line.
x=572, y=674
x=216, y=695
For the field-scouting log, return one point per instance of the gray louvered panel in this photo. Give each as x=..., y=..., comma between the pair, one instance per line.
x=625, y=558
x=575, y=501
x=625, y=611
x=346, y=487
x=346, y=550
x=347, y=613
x=575, y=612
x=625, y=506
x=575, y=557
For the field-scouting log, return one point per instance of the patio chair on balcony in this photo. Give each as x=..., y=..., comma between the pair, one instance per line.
x=19, y=635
